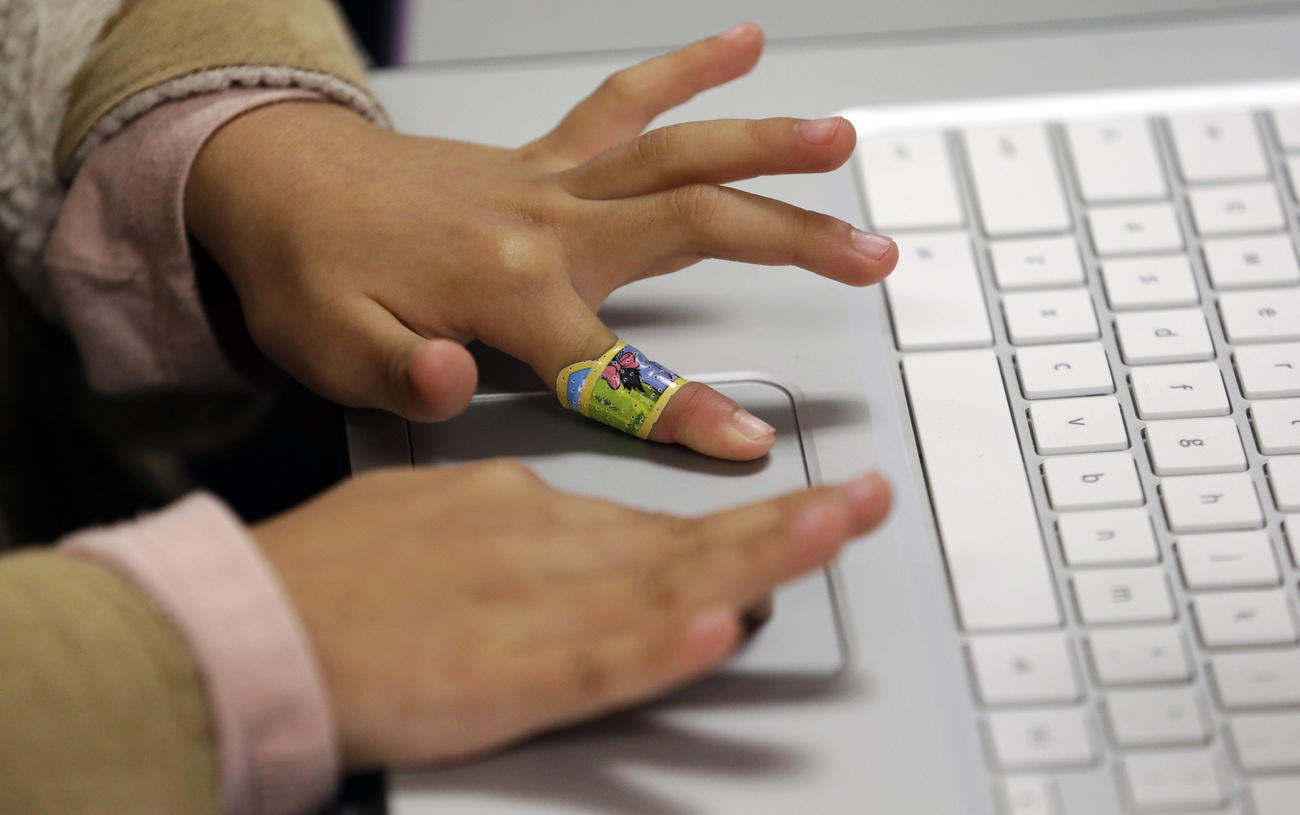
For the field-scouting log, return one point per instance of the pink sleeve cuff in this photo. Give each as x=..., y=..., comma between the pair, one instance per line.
x=119, y=257
x=196, y=561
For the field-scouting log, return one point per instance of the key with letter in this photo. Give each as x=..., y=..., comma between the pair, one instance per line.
x=1036, y=263
x=1208, y=503
x=1277, y=426
x=1063, y=315
x=1179, y=391
x=1073, y=369
x=1108, y=596
x=1085, y=424
x=1116, y=160
x=1134, y=229
x=1228, y=560
x=1218, y=147
x=1175, y=335
x=1243, y=263
x=1092, y=481
x=1265, y=315
x=1192, y=446
x=1268, y=371
x=1107, y=537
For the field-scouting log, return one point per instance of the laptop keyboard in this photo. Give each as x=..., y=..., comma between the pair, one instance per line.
x=1097, y=323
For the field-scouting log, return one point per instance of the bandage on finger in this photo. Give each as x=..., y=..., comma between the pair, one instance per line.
x=623, y=389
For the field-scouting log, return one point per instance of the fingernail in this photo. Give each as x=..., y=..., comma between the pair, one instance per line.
x=819, y=131
x=870, y=244
x=865, y=489
x=736, y=32
x=750, y=426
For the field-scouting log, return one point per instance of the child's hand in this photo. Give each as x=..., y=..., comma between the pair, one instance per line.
x=446, y=627
x=365, y=260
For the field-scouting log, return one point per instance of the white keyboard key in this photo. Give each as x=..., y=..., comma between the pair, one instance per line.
x=987, y=519
x=1182, y=780
x=1236, y=209
x=1087, y=424
x=1257, y=679
x=1242, y=263
x=1211, y=503
x=1134, y=229
x=1244, y=618
x=1030, y=795
x=1218, y=147
x=1277, y=426
x=1024, y=668
x=1016, y=181
x=1268, y=371
x=1064, y=315
x=1157, y=718
x=1293, y=175
x=1176, y=335
x=1284, y=480
x=1179, y=391
x=1107, y=537
x=1139, y=656
x=1093, y=481
x=1041, y=739
x=1149, y=282
x=1115, y=160
x=908, y=181
x=1074, y=369
x=1264, y=315
x=1228, y=560
x=1286, y=123
x=1275, y=796
x=1266, y=742
x=1291, y=525
x=935, y=297
x=1192, y=446
x=1109, y=596
x=1036, y=263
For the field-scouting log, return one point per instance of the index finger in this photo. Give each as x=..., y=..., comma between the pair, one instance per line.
x=629, y=100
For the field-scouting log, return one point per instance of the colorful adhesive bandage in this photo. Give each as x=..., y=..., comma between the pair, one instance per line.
x=622, y=389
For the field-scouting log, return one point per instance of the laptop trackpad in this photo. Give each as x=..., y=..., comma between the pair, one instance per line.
x=801, y=641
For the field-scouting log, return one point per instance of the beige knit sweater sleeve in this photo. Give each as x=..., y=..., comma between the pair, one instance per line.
x=152, y=51
x=79, y=646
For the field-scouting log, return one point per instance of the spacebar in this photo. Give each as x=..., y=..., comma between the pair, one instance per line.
x=987, y=524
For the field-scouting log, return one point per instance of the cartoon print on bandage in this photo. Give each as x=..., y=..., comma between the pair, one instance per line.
x=622, y=389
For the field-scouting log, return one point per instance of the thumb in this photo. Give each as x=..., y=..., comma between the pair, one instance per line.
x=423, y=379
x=696, y=416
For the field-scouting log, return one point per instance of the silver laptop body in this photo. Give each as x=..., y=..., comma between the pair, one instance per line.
x=902, y=680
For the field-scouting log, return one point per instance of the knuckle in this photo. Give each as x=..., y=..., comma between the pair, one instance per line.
x=696, y=205
x=524, y=258
x=655, y=147
x=619, y=88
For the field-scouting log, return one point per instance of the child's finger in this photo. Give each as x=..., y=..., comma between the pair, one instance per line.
x=715, y=152
x=670, y=230
x=704, y=420
x=562, y=331
x=627, y=101
x=390, y=366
